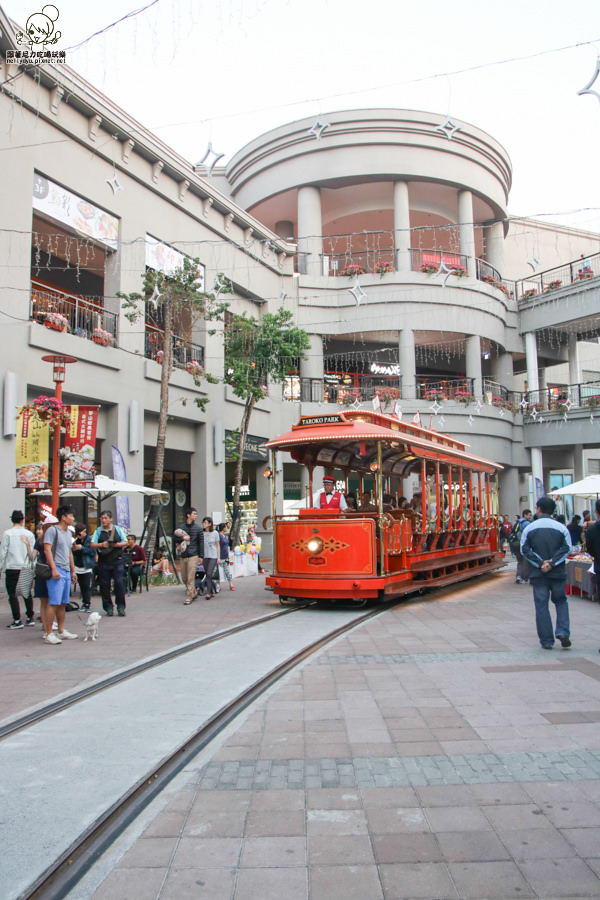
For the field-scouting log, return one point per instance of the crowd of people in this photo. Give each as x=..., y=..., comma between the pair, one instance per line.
x=109, y=558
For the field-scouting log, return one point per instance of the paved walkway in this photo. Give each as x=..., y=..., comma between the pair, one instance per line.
x=435, y=752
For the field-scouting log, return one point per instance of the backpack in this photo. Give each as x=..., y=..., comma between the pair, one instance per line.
x=514, y=538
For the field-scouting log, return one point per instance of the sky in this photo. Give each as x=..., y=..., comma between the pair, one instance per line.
x=224, y=72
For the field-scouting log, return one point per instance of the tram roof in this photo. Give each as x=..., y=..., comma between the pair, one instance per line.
x=349, y=440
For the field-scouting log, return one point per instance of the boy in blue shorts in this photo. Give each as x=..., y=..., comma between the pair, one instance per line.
x=59, y=556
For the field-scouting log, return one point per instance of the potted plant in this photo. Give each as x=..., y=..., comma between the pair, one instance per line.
x=48, y=410
x=586, y=272
x=56, y=321
x=348, y=396
x=592, y=401
x=383, y=268
x=194, y=367
x=465, y=397
x=353, y=270
x=527, y=295
x=388, y=395
x=552, y=285
x=102, y=337
x=434, y=394
x=429, y=268
x=459, y=271
x=499, y=402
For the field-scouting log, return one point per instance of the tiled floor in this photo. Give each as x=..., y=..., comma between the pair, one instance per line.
x=435, y=752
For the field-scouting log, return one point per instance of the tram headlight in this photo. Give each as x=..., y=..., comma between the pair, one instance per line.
x=315, y=545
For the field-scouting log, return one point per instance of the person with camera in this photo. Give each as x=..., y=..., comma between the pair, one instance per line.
x=109, y=540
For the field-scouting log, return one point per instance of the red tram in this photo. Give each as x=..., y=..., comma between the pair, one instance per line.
x=449, y=531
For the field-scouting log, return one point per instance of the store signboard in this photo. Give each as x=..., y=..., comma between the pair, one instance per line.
x=63, y=206
x=254, y=447
x=79, y=450
x=163, y=258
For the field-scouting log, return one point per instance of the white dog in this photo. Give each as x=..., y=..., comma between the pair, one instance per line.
x=91, y=626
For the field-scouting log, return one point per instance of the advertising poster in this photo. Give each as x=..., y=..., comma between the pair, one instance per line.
x=79, y=451
x=32, y=451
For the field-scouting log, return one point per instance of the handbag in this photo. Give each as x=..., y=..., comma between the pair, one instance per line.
x=26, y=576
x=42, y=569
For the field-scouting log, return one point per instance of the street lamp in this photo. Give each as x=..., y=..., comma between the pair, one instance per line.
x=59, y=371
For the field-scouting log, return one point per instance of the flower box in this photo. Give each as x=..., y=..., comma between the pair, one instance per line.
x=459, y=271
x=383, y=268
x=552, y=285
x=352, y=271
x=464, y=397
x=104, y=338
x=592, y=401
x=429, y=268
x=348, y=396
x=194, y=368
x=49, y=410
x=434, y=394
x=585, y=273
x=527, y=295
x=56, y=321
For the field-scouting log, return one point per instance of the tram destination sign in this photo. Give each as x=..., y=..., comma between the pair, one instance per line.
x=331, y=419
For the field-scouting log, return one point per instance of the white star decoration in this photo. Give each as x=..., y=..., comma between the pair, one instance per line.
x=443, y=270
x=282, y=295
x=470, y=420
x=357, y=292
x=502, y=412
x=541, y=420
x=533, y=262
x=318, y=129
x=435, y=406
x=156, y=295
x=534, y=413
x=217, y=157
x=219, y=285
x=586, y=89
x=523, y=403
x=113, y=183
x=448, y=128
x=568, y=403
x=478, y=407
x=441, y=421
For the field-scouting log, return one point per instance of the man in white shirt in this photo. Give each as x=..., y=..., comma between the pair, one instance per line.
x=329, y=498
x=15, y=552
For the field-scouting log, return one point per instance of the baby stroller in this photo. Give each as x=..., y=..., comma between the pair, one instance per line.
x=200, y=580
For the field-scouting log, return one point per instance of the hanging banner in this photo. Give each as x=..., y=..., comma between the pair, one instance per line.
x=79, y=452
x=121, y=503
x=32, y=451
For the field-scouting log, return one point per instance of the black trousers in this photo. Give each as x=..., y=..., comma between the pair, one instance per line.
x=12, y=576
x=105, y=573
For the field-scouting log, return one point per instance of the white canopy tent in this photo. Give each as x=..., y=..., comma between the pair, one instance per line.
x=104, y=489
x=588, y=488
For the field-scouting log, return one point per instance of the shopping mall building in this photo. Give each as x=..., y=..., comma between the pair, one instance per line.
x=387, y=236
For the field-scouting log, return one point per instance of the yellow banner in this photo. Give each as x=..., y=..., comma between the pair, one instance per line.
x=32, y=451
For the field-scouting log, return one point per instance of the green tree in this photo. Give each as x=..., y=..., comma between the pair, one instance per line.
x=256, y=351
x=175, y=296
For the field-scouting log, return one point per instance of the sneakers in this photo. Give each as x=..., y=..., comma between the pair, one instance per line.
x=67, y=636
x=231, y=587
x=121, y=610
x=85, y=607
x=30, y=622
x=547, y=646
x=52, y=639
x=16, y=624
x=566, y=642
x=110, y=611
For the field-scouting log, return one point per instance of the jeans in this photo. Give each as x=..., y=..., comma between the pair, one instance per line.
x=545, y=589
x=84, y=580
x=105, y=573
x=210, y=565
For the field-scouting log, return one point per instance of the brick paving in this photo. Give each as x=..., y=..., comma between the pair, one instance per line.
x=434, y=752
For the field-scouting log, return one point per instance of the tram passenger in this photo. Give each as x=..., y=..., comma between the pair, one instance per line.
x=365, y=503
x=329, y=498
x=351, y=501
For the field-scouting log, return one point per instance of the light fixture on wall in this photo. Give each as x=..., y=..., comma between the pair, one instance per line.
x=268, y=472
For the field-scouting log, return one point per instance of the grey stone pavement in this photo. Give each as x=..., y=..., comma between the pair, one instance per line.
x=435, y=752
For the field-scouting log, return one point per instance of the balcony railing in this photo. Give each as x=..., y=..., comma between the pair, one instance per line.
x=576, y=396
x=580, y=270
x=184, y=351
x=458, y=389
x=83, y=316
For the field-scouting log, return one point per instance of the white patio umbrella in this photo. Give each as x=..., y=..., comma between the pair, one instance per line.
x=588, y=488
x=104, y=488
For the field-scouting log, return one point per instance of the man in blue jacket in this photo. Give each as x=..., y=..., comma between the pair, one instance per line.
x=545, y=544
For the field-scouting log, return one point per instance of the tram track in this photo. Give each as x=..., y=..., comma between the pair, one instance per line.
x=65, y=872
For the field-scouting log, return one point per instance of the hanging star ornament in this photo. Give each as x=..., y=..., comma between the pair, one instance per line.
x=449, y=128
x=318, y=128
x=441, y=421
x=502, y=412
x=540, y=420
x=155, y=297
x=586, y=89
x=219, y=286
x=523, y=404
x=282, y=295
x=478, y=407
x=357, y=292
x=443, y=270
x=435, y=407
x=113, y=183
x=470, y=420
x=212, y=164
x=533, y=262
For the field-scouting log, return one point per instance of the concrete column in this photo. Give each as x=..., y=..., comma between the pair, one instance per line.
x=543, y=385
x=502, y=370
x=312, y=368
x=402, y=226
x=285, y=230
x=580, y=503
x=117, y=435
x=207, y=478
x=495, y=246
x=263, y=498
x=508, y=483
x=310, y=229
x=473, y=363
x=533, y=378
x=466, y=230
x=408, y=366
x=573, y=354
x=537, y=470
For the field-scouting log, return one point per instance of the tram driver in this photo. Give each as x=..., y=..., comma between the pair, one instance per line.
x=329, y=498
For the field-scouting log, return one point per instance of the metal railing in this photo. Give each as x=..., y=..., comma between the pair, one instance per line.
x=563, y=400
x=422, y=260
x=458, y=389
x=83, y=317
x=184, y=351
x=580, y=270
